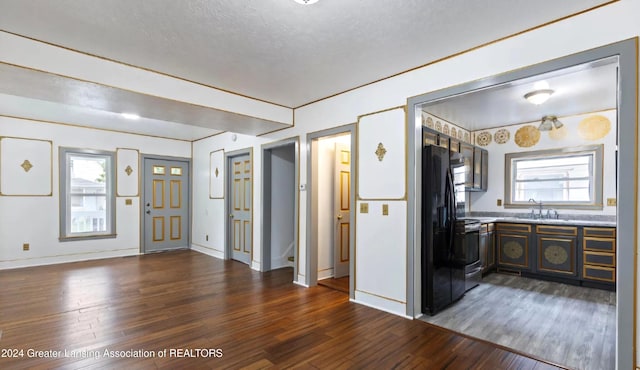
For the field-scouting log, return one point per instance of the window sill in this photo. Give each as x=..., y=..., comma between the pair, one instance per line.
x=555, y=206
x=86, y=237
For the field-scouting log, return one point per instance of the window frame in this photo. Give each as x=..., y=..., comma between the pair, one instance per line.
x=65, y=194
x=597, y=174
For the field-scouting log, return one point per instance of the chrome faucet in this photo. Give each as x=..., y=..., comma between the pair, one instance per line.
x=552, y=214
x=539, y=204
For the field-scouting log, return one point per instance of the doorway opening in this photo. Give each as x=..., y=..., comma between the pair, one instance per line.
x=621, y=150
x=279, y=227
x=331, y=199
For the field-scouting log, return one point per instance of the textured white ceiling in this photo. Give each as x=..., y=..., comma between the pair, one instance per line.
x=277, y=50
x=272, y=50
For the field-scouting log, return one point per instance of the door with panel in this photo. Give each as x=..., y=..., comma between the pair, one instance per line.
x=240, y=203
x=166, y=205
x=342, y=203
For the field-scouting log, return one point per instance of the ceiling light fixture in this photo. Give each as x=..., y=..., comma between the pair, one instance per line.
x=538, y=97
x=306, y=2
x=549, y=123
x=130, y=115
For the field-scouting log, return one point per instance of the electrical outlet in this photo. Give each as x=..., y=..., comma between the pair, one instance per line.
x=25, y=246
x=364, y=207
x=499, y=202
x=385, y=210
x=612, y=201
x=128, y=202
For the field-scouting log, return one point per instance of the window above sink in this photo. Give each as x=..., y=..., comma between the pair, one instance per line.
x=569, y=178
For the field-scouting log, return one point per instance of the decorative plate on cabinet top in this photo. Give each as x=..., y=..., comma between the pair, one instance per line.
x=527, y=136
x=445, y=129
x=594, y=127
x=467, y=137
x=460, y=134
x=483, y=138
x=438, y=126
x=501, y=136
x=454, y=133
x=430, y=122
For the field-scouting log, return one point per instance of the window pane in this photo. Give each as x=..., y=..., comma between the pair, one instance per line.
x=88, y=190
x=556, y=176
x=88, y=174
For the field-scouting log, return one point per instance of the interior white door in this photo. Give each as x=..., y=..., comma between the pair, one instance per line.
x=342, y=204
x=240, y=207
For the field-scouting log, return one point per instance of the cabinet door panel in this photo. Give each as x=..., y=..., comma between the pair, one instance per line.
x=467, y=153
x=557, y=255
x=485, y=170
x=477, y=168
x=491, y=250
x=513, y=250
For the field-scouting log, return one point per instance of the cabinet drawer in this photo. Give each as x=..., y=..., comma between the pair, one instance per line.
x=557, y=230
x=600, y=232
x=521, y=228
x=599, y=258
x=599, y=244
x=599, y=273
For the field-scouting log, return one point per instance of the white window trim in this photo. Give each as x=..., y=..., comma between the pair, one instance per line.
x=65, y=195
x=596, y=150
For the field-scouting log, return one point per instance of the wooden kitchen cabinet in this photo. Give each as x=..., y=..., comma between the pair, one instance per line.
x=487, y=248
x=556, y=250
x=599, y=254
x=480, y=169
x=476, y=165
x=513, y=246
x=467, y=153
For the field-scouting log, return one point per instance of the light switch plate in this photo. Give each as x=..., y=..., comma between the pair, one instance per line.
x=128, y=202
x=385, y=210
x=364, y=207
x=612, y=201
x=499, y=202
x=25, y=246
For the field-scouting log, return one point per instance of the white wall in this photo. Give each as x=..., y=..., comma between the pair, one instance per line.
x=209, y=214
x=282, y=205
x=35, y=220
x=486, y=201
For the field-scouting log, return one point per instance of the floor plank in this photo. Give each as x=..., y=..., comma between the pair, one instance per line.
x=187, y=300
x=339, y=284
x=564, y=324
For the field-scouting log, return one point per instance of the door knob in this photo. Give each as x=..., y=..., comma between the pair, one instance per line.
x=339, y=217
x=231, y=215
x=148, y=204
x=148, y=212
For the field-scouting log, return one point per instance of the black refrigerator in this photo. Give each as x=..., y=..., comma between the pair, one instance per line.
x=443, y=260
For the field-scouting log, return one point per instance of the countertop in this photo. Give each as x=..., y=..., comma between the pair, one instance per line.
x=520, y=220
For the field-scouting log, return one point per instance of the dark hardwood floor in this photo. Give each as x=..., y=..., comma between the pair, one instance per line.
x=339, y=284
x=186, y=300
